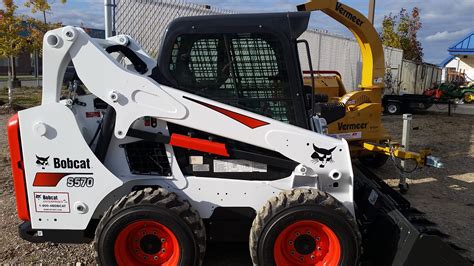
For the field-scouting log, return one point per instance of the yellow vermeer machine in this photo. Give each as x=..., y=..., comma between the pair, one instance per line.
x=356, y=116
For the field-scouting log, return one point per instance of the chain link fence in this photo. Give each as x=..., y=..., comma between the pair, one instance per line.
x=147, y=20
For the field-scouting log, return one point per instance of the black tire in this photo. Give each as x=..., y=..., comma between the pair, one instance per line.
x=373, y=160
x=151, y=206
x=303, y=205
x=404, y=188
x=393, y=108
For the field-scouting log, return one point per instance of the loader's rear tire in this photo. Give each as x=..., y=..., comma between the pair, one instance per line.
x=150, y=227
x=373, y=160
x=304, y=226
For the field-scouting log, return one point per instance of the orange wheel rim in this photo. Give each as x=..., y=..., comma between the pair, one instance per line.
x=307, y=243
x=146, y=243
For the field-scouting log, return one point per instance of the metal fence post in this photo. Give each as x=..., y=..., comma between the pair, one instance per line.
x=407, y=127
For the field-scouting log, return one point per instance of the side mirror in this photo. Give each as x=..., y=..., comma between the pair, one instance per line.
x=319, y=125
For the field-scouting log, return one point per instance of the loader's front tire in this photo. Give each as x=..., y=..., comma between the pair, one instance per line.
x=304, y=226
x=150, y=226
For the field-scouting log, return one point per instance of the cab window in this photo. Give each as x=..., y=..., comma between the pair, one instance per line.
x=243, y=70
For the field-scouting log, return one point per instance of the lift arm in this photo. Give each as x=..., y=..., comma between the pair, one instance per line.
x=373, y=62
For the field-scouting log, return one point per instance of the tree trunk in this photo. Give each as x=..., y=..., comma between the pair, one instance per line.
x=10, y=82
x=9, y=67
x=37, y=68
x=10, y=92
x=13, y=66
x=44, y=16
x=36, y=63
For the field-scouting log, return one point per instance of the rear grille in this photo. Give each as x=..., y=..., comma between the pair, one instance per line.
x=147, y=158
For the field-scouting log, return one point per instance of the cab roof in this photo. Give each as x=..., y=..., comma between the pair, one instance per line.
x=291, y=24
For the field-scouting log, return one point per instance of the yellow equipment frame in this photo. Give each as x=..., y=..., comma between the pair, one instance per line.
x=373, y=61
x=395, y=151
x=364, y=106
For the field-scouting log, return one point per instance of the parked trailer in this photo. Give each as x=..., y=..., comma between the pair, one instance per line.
x=396, y=104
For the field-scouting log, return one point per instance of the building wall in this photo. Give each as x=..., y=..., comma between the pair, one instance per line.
x=146, y=21
x=465, y=65
x=23, y=65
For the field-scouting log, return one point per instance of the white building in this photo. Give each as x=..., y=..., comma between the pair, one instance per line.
x=460, y=64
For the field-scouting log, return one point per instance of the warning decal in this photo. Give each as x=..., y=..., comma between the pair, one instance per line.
x=238, y=166
x=53, y=202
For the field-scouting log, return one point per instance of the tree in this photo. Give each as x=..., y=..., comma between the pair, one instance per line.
x=12, y=41
x=40, y=5
x=400, y=31
x=38, y=29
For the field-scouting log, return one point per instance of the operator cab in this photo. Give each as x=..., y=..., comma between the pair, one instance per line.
x=249, y=61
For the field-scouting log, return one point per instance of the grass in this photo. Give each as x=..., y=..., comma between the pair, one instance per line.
x=21, y=77
x=24, y=97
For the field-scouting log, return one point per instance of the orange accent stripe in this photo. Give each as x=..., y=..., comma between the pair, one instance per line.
x=17, y=168
x=246, y=120
x=48, y=179
x=199, y=145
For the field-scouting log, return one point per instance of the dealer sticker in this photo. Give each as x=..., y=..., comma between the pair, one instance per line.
x=347, y=136
x=57, y=202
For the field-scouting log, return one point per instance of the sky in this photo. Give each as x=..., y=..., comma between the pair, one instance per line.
x=444, y=22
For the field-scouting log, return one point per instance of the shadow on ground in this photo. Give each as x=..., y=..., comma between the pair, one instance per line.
x=445, y=195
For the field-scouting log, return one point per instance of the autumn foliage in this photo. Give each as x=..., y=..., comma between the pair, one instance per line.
x=19, y=33
x=400, y=31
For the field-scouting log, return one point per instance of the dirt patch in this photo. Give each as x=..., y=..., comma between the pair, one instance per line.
x=446, y=195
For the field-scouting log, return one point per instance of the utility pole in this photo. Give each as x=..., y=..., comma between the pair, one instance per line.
x=108, y=18
x=371, y=11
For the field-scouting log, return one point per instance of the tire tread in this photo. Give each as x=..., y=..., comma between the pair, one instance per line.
x=161, y=198
x=288, y=199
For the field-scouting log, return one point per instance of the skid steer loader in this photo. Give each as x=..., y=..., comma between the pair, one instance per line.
x=214, y=141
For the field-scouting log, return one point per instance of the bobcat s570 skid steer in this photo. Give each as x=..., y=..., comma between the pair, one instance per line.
x=213, y=141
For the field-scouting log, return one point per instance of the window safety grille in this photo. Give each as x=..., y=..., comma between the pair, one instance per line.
x=243, y=70
x=147, y=158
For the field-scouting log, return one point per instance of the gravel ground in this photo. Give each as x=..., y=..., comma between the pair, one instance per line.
x=446, y=195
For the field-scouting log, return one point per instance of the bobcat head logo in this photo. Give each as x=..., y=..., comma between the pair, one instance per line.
x=42, y=162
x=322, y=155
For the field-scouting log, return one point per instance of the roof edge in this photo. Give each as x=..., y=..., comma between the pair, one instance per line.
x=452, y=47
x=446, y=61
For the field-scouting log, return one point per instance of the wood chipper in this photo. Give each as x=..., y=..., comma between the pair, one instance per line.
x=357, y=116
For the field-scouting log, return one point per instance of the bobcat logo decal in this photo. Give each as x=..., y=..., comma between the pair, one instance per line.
x=42, y=162
x=322, y=155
